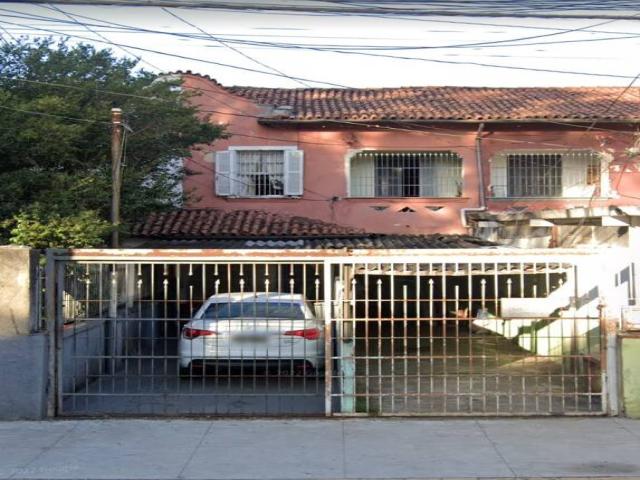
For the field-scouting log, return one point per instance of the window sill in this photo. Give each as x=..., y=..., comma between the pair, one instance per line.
x=547, y=198
x=266, y=197
x=404, y=199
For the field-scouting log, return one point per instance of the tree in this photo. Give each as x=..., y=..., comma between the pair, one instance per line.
x=55, y=162
x=49, y=230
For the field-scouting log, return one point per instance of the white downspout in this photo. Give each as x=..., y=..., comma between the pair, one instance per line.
x=480, y=170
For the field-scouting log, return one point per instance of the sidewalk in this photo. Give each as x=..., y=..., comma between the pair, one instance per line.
x=320, y=449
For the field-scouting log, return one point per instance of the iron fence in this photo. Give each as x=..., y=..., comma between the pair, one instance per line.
x=332, y=333
x=485, y=338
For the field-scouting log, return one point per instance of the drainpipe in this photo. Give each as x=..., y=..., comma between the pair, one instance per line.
x=480, y=170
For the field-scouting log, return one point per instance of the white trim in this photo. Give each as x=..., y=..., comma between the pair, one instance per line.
x=355, y=151
x=250, y=148
x=606, y=190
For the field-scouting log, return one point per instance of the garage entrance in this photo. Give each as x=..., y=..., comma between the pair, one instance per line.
x=179, y=332
x=184, y=335
x=467, y=338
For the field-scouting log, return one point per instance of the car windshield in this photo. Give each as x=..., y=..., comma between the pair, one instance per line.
x=279, y=310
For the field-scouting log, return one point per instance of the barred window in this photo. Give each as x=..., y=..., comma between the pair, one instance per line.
x=259, y=172
x=534, y=175
x=406, y=174
x=545, y=174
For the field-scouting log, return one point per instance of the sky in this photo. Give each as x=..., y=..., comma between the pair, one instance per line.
x=446, y=50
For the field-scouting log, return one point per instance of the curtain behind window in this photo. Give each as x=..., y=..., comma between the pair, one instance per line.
x=260, y=172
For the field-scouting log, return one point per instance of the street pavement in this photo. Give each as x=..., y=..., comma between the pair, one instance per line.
x=320, y=448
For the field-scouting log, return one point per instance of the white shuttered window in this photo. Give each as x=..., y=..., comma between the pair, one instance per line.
x=260, y=172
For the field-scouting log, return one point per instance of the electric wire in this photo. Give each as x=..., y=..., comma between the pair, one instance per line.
x=329, y=47
x=175, y=55
x=43, y=114
x=340, y=51
x=232, y=48
x=412, y=19
x=539, y=10
x=99, y=35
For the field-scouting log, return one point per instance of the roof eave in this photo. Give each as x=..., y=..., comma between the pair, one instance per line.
x=289, y=121
x=187, y=236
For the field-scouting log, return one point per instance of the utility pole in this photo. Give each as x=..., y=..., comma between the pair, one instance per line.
x=116, y=174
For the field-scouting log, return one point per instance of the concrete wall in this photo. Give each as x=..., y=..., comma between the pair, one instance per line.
x=23, y=351
x=82, y=349
x=327, y=149
x=96, y=348
x=23, y=376
x=18, y=284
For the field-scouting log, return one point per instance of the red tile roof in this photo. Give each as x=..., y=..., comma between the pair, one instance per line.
x=209, y=223
x=448, y=103
x=445, y=103
x=241, y=229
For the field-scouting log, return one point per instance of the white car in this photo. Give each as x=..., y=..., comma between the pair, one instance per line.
x=254, y=329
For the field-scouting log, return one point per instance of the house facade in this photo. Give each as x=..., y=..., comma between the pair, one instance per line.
x=521, y=166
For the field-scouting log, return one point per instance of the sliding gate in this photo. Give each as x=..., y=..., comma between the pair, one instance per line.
x=320, y=333
x=135, y=336
x=468, y=335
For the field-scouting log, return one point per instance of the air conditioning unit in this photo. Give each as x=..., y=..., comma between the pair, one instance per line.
x=631, y=318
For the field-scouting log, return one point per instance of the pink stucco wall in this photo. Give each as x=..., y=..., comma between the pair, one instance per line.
x=327, y=149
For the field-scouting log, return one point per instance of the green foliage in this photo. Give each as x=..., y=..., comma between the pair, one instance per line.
x=64, y=163
x=85, y=229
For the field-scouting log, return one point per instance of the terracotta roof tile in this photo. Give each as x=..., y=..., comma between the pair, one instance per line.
x=211, y=223
x=446, y=103
x=256, y=229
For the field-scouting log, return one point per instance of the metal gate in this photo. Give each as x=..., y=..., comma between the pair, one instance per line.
x=141, y=332
x=467, y=336
x=189, y=335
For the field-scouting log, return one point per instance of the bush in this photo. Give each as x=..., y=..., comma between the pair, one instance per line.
x=40, y=230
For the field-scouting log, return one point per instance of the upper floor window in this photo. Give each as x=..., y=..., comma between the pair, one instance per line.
x=259, y=172
x=544, y=174
x=405, y=174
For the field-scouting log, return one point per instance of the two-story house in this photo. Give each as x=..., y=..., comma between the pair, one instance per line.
x=522, y=166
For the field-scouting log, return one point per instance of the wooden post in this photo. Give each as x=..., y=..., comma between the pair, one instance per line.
x=116, y=174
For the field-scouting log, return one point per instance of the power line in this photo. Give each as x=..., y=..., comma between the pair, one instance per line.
x=329, y=47
x=432, y=20
x=99, y=35
x=344, y=52
x=106, y=29
x=75, y=119
x=442, y=8
x=175, y=55
x=8, y=33
x=232, y=48
x=279, y=46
